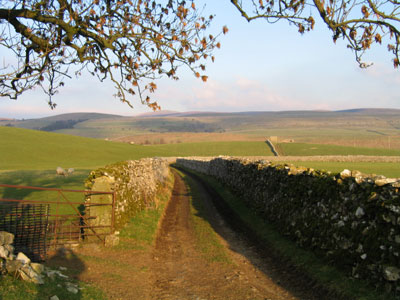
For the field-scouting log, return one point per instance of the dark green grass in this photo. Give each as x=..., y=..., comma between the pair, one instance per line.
x=14, y=289
x=306, y=261
x=46, y=179
x=302, y=149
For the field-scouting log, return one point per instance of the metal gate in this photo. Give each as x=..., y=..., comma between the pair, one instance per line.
x=39, y=225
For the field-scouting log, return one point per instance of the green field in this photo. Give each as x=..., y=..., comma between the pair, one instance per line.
x=30, y=158
x=302, y=149
x=24, y=149
x=46, y=179
x=214, y=149
x=30, y=149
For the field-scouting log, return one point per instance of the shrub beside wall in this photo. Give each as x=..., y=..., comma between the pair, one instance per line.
x=135, y=182
x=351, y=219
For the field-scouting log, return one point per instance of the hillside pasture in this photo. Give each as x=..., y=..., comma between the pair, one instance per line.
x=304, y=149
x=30, y=149
x=45, y=179
x=373, y=128
x=155, y=138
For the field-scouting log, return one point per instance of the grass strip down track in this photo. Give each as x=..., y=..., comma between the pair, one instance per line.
x=294, y=276
x=296, y=269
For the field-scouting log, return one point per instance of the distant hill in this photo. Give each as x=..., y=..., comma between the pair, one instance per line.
x=58, y=122
x=162, y=113
x=344, y=127
x=79, y=116
x=371, y=111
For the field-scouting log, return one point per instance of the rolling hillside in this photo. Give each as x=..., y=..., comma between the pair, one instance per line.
x=374, y=128
x=31, y=149
x=41, y=123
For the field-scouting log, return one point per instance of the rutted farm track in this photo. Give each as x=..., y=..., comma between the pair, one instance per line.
x=176, y=268
x=182, y=271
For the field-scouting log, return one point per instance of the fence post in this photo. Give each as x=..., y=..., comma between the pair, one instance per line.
x=104, y=219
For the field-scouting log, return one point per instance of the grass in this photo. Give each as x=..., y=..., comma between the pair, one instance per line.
x=302, y=149
x=206, y=239
x=306, y=261
x=142, y=228
x=14, y=289
x=141, y=231
x=47, y=179
x=215, y=149
x=29, y=149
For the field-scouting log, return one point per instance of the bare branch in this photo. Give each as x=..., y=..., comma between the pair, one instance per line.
x=362, y=23
x=130, y=42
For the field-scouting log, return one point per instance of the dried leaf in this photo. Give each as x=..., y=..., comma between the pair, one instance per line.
x=365, y=12
x=378, y=38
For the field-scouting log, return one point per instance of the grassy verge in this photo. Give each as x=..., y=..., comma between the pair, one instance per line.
x=15, y=289
x=324, y=274
x=206, y=239
x=140, y=232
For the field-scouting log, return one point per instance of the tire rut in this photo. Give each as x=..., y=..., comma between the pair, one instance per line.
x=180, y=271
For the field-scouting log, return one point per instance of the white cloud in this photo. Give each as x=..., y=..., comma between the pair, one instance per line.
x=242, y=94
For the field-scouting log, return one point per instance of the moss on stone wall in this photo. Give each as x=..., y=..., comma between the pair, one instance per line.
x=351, y=219
x=134, y=182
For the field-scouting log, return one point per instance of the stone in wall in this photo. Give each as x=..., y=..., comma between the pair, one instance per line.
x=351, y=219
x=135, y=183
x=19, y=265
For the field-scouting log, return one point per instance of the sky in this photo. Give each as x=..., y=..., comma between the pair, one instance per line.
x=260, y=67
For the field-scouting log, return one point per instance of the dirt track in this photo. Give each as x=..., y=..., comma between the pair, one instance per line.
x=180, y=271
x=176, y=269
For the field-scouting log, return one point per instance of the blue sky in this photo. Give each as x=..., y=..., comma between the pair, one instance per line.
x=259, y=67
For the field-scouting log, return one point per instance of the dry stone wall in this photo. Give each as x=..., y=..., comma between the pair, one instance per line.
x=135, y=183
x=350, y=218
x=18, y=265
